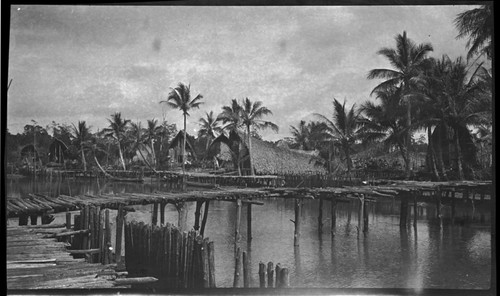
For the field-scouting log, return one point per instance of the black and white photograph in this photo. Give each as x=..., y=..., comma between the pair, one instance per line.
x=168, y=148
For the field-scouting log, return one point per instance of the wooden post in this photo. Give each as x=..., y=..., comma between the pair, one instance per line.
x=365, y=215
x=333, y=209
x=349, y=204
x=249, y=222
x=211, y=265
x=320, y=216
x=246, y=275
x=237, y=268
x=278, y=276
x=162, y=212
x=197, y=214
x=119, y=233
x=270, y=274
x=438, y=203
x=262, y=275
x=415, y=210
x=154, y=215
x=404, y=211
x=284, y=279
x=453, y=207
x=205, y=264
x=296, y=236
x=238, y=220
x=205, y=216
x=182, y=215
x=107, y=238
x=101, y=236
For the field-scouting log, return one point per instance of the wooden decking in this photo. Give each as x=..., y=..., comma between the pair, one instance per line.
x=37, y=262
x=36, y=204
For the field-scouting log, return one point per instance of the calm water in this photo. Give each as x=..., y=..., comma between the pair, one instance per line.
x=452, y=256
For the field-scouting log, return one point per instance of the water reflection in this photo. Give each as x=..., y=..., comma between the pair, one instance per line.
x=434, y=254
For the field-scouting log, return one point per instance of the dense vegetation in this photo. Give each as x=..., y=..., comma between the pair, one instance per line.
x=449, y=100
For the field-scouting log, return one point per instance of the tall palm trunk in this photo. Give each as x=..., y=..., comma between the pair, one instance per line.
x=83, y=158
x=145, y=160
x=250, y=151
x=459, y=156
x=153, y=152
x=348, y=160
x=184, y=146
x=432, y=153
x=408, y=141
x=121, y=156
x=440, y=155
x=100, y=167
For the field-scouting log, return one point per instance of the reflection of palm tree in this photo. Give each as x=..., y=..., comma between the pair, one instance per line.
x=251, y=118
x=81, y=136
x=408, y=60
x=180, y=98
x=116, y=130
x=477, y=24
x=344, y=129
x=210, y=128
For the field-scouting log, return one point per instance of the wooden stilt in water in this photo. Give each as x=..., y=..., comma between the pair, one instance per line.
x=197, y=214
x=119, y=233
x=34, y=219
x=320, y=216
x=107, y=238
x=296, y=236
x=349, y=204
x=453, y=207
x=205, y=217
x=277, y=277
x=415, y=212
x=262, y=275
x=246, y=275
x=365, y=215
x=205, y=264
x=237, y=268
x=404, y=211
x=154, y=214
x=438, y=203
x=284, y=279
x=68, y=220
x=182, y=215
x=333, y=210
x=163, y=204
x=238, y=220
x=270, y=274
x=211, y=264
x=249, y=222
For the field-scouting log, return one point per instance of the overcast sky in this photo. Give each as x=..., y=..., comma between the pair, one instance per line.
x=71, y=63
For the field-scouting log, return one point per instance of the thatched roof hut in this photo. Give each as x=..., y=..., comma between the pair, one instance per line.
x=57, y=151
x=269, y=159
x=176, y=145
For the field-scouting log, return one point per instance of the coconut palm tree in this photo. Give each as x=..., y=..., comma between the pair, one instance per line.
x=477, y=25
x=209, y=128
x=231, y=116
x=180, y=98
x=343, y=130
x=117, y=130
x=408, y=60
x=309, y=136
x=81, y=135
x=251, y=118
x=384, y=122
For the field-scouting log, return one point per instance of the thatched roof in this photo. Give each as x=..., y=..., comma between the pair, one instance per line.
x=267, y=158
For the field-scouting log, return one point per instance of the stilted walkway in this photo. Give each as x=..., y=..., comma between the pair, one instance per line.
x=36, y=262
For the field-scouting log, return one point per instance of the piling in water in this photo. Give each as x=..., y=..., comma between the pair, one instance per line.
x=249, y=222
x=320, y=216
x=333, y=210
x=205, y=217
x=246, y=274
x=262, y=275
x=270, y=274
x=296, y=236
x=237, y=268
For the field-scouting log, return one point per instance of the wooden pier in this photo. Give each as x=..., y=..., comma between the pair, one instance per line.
x=37, y=262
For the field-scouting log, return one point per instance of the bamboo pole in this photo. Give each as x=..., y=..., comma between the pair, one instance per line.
x=237, y=268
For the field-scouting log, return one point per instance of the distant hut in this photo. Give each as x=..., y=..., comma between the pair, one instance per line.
x=269, y=159
x=57, y=151
x=176, y=148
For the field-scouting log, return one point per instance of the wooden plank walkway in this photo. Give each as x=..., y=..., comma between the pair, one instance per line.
x=36, y=262
x=39, y=204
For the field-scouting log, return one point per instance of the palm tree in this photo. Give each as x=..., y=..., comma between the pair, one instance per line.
x=251, y=118
x=385, y=121
x=117, y=130
x=408, y=61
x=231, y=116
x=344, y=129
x=81, y=136
x=209, y=128
x=152, y=132
x=309, y=136
x=301, y=135
x=477, y=24
x=180, y=98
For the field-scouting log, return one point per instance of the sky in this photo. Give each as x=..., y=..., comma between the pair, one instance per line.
x=73, y=63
